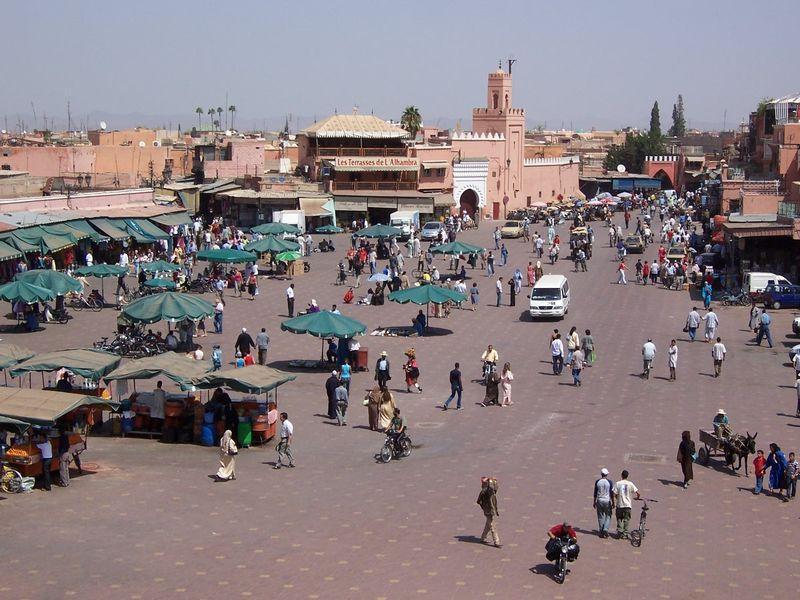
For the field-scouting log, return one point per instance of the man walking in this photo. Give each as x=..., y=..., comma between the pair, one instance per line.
x=499, y=289
x=624, y=492
x=718, y=352
x=290, y=300
x=331, y=383
x=692, y=323
x=648, y=354
x=603, y=502
x=285, y=445
x=712, y=322
x=262, y=343
x=577, y=367
x=382, y=373
x=244, y=342
x=46, y=448
x=672, y=353
x=487, y=500
x=341, y=396
x=455, y=388
x=587, y=345
x=763, y=330
x=557, y=353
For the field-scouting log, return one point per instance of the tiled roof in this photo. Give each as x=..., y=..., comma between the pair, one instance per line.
x=355, y=126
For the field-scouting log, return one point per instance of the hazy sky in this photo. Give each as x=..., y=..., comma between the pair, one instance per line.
x=585, y=62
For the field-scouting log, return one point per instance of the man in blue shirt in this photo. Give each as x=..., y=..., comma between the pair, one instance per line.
x=455, y=388
x=763, y=329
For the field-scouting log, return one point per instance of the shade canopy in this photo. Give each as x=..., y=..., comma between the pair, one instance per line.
x=270, y=243
x=11, y=354
x=102, y=270
x=86, y=362
x=457, y=248
x=254, y=379
x=9, y=252
x=160, y=266
x=159, y=282
x=275, y=228
x=289, y=256
x=426, y=294
x=55, y=281
x=9, y=424
x=324, y=324
x=169, y=306
x=226, y=255
x=177, y=367
x=41, y=407
x=374, y=231
x=329, y=229
x=27, y=292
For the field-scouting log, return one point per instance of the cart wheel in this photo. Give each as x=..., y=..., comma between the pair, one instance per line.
x=702, y=456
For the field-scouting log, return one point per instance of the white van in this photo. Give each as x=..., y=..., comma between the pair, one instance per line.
x=550, y=297
x=758, y=281
x=407, y=220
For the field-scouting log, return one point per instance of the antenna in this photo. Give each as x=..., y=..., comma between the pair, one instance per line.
x=511, y=60
x=33, y=108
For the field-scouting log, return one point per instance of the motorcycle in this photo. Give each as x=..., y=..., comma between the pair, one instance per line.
x=567, y=553
x=390, y=450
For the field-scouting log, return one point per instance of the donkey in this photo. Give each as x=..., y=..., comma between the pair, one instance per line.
x=742, y=447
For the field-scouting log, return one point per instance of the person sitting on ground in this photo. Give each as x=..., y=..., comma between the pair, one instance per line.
x=368, y=298
x=419, y=323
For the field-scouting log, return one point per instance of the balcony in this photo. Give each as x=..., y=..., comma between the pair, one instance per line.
x=334, y=152
x=372, y=186
x=789, y=209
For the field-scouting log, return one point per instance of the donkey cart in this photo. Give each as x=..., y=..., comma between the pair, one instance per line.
x=730, y=448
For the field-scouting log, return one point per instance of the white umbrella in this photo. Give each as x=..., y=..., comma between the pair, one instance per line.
x=379, y=277
x=624, y=195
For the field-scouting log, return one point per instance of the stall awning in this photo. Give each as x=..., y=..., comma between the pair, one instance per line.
x=254, y=379
x=443, y=200
x=40, y=407
x=172, y=219
x=8, y=252
x=66, y=230
x=435, y=164
x=43, y=241
x=177, y=367
x=11, y=354
x=84, y=226
x=314, y=207
x=85, y=362
x=111, y=230
x=142, y=230
x=750, y=230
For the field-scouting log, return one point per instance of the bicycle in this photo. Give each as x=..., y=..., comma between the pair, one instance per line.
x=637, y=535
x=11, y=480
x=80, y=302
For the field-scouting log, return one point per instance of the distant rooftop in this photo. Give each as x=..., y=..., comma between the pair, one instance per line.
x=355, y=126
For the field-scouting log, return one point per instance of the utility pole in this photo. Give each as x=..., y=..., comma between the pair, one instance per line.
x=33, y=108
x=69, y=118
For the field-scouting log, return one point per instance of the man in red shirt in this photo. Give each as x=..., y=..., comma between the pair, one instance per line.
x=760, y=467
x=560, y=535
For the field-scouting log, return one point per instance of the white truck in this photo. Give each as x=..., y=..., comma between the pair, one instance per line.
x=407, y=220
x=291, y=217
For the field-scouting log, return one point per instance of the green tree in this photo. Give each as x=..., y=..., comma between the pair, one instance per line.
x=633, y=152
x=199, y=111
x=655, y=121
x=219, y=115
x=232, y=109
x=411, y=120
x=210, y=114
x=678, y=128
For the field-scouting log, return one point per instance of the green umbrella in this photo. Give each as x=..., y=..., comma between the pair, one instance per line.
x=158, y=282
x=324, y=324
x=270, y=243
x=374, y=231
x=27, y=292
x=102, y=270
x=275, y=228
x=226, y=255
x=329, y=229
x=457, y=248
x=427, y=294
x=170, y=306
x=160, y=266
x=59, y=282
x=289, y=256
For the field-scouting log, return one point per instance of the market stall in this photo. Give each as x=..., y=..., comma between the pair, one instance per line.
x=325, y=325
x=46, y=411
x=89, y=363
x=10, y=355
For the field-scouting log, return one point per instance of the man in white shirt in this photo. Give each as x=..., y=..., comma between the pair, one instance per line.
x=648, y=354
x=499, y=288
x=712, y=322
x=285, y=445
x=557, y=352
x=89, y=259
x=46, y=448
x=692, y=323
x=123, y=259
x=718, y=352
x=159, y=399
x=624, y=492
x=290, y=300
x=354, y=346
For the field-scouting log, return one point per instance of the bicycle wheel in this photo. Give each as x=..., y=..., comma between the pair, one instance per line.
x=386, y=452
x=636, y=538
x=405, y=447
x=11, y=482
x=76, y=304
x=95, y=304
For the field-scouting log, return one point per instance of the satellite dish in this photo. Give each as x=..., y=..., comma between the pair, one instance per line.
x=156, y=144
x=142, y=144
x=620, y=168
x=103, y=126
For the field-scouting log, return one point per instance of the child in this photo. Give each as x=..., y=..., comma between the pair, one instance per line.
x=760, y=467
x=792, y=471
x=239, y=361
x=216, y=357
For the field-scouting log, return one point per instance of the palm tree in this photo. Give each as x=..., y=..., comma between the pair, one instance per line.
x=216, y=124
x=199, y=111
x=219, y=114
x=211, y=113
x=411, y=120
x=232, y=109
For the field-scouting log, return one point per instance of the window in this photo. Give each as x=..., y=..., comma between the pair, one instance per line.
x=494, y=100
x=540, y=193
x=529, y=201
x=494, y=173
x=553, y=193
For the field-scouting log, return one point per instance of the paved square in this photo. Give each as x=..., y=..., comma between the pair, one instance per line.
x=146, y=521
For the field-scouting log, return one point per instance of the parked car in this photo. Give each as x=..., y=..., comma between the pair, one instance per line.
x=431, y=229
x=781, y=296
x=676, y=253
x=511, y=229
x=634, y=244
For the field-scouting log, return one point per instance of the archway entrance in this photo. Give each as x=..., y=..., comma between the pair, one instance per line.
x=468, y=202
x=666, y=182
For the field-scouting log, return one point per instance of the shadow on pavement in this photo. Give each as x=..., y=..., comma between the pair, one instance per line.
x=546, y=569
x=470, y=539
x=670, y=482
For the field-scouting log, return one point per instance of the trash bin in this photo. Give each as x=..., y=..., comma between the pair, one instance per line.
x=362, y=359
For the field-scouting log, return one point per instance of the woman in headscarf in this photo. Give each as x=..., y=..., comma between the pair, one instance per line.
x=776, y=463
x=313, y=307
x=686, y=456
x=411, y=369
x=531, y=274
x=227, y=457
x=380, y=404
x=505, y=383
x=538, y=271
